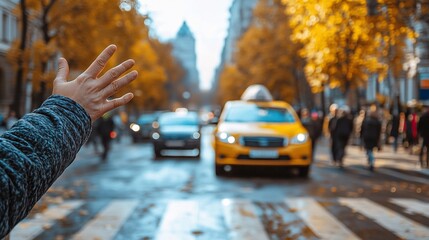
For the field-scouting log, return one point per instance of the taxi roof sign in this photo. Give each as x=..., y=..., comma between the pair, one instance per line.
x=257, y=92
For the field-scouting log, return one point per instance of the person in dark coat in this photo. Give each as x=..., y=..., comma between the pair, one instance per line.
x=394, y=131
x=312, y=125
x=342, y=133
x=332, y=123
x=423, y=128
x=104, y=127
x=371, y=132
x=41, y=145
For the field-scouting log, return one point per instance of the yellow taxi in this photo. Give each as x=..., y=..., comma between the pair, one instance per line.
x=258, y=131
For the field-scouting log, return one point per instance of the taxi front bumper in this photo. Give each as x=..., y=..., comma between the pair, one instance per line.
x=236, y=154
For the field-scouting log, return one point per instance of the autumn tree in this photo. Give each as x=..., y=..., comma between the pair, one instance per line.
x=346, y=42
x=266, y=55
x=79, y=30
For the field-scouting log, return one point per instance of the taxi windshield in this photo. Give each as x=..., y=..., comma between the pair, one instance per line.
x=254, y=113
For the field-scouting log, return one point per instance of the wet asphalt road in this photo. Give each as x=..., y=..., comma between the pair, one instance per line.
x=179, y=197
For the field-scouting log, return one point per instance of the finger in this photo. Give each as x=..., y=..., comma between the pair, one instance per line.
x=100, y=62
x=115, y=72
x=117, y=102
x=63, y=70
x=114, y=87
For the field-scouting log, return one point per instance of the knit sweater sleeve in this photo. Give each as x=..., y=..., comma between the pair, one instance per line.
x=35, y=152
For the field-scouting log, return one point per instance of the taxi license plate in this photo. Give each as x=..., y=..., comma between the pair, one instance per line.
x=175, y=143
x=263, y=154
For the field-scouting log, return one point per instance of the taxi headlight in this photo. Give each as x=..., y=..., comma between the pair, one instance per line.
x=135, y=127
x=196, y=135
x=226, y=138
x=299, y=138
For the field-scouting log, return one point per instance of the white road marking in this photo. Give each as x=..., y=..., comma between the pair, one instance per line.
x=399, y=225
x=186, y=219
x=402, y=176
x=108, y=222
x=242, y=221
x=32, y=228
x=320, y=221
x=412, y=206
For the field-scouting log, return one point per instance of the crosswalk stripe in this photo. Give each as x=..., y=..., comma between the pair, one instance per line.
x=32, y=228
x=399, y=225
x=320, y=221
x=402, y=176
x=108, y=222
x=412, y=206
x=242, y=220
x=186, y=219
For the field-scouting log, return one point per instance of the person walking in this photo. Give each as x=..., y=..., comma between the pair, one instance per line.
x=371, y=132
x=411, y=130
x=342, y=132
x=312, y=126
x=332, y=123
x=104, y=127
x=423, y=129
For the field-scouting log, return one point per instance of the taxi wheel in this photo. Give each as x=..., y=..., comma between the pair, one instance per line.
x=303, y=171
x=219, y=170
x=157, y=153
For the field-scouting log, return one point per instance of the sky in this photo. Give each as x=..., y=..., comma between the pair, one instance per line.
x=207, y=19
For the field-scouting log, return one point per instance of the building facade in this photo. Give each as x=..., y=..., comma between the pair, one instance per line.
x=8, y=33
x=241, y=15
x=184, y=51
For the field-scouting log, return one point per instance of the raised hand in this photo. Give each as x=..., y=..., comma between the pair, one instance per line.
x=92, y=92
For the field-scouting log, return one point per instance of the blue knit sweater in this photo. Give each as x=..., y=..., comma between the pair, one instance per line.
x=35, y=152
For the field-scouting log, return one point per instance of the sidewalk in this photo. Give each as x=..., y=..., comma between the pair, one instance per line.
x=387, y=158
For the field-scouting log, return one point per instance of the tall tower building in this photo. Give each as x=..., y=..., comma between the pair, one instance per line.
x=184, y=51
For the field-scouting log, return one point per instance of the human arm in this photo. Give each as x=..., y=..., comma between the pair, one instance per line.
x=35, y=152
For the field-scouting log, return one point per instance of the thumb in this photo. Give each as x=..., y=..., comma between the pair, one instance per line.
x=63, y=70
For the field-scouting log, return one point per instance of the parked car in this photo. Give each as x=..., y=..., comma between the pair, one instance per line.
x=258, y=131
x=179, y=130
x=142, y=129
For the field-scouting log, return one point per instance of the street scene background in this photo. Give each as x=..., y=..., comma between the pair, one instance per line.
x=354, y=60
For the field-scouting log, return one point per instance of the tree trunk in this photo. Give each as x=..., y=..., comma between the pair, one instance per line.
x=16, y=106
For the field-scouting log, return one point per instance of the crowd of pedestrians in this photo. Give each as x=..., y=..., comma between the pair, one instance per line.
x=371, y=129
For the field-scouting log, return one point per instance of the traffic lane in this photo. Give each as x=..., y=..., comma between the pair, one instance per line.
x=132, y=171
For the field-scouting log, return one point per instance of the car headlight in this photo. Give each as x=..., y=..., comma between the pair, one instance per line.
x=156, y=136
x=135, y=127
x=226, y=138
x=299, y=138
x=196, y=135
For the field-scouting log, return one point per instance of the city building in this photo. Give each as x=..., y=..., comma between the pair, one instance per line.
x=8, y=33
x=184, y=51
x=241, y=15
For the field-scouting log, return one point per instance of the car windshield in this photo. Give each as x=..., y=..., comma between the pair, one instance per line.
x=146, y=119
x=254, y=113
x=174, y=119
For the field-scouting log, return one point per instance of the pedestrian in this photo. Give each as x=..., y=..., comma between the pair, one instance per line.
x=357, y=133
x=371, y=133
x=105, y=127
x=394, y=130
x=332, y=122
x=423, y=129
x=312, y=127
x=342, y=132
x=411, y=129
x=40, y=146
x=11, y=119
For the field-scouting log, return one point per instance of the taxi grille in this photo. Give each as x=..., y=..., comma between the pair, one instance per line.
x=264, y=142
